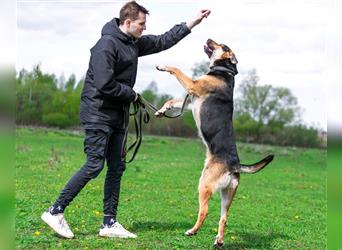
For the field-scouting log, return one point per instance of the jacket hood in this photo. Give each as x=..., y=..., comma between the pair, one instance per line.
x=112, y=28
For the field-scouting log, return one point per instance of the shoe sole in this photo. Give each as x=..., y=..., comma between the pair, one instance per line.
x=45, y=219
x=117, y=236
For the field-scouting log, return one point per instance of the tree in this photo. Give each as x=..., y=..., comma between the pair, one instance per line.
x=34, y=91
x=71, y=82
x=267, y=105
x=150, y=93
x=42, y=99
x=200, y=69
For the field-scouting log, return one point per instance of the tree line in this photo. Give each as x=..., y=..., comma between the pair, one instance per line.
x=262, y=113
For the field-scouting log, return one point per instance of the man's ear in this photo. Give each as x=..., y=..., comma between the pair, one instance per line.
x=127, y=22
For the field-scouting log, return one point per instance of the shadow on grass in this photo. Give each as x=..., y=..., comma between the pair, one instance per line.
x=159, y=226
x=247, y=240
x=254, y=241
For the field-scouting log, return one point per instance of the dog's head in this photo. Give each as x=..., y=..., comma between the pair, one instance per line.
x=218, y=53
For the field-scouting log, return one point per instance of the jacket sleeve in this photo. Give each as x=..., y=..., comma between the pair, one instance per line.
x=150, y=44
x=103, y=61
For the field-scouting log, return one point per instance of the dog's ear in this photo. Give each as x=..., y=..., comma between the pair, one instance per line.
x=232, y=58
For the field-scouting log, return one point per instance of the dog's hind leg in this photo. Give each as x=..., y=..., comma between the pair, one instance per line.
x=205, y=192
x=211, y=173
x=227, y=196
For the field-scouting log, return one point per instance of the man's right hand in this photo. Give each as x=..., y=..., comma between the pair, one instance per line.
x=202, y=14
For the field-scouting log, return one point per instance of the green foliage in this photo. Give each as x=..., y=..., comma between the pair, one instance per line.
x=34, y=91
x=42, y=99
x=271, y=106
x=249, y=130
x=59, y=120
x=150, y=93
x=266, y=114
x=282, y=207
x=200, y=69
x=263, y=114
x=298, y=135
x=246, y=128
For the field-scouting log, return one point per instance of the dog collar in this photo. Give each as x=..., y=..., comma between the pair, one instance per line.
x=221, y=68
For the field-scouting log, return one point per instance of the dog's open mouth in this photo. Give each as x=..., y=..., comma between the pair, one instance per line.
x=208, y=50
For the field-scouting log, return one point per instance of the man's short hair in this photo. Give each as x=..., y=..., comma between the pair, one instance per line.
x=131, y=10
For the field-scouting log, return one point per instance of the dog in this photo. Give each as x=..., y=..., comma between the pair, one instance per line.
x=212, y=108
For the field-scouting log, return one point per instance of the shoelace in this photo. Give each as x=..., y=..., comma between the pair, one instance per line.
x=118, y=225
x=63, y=223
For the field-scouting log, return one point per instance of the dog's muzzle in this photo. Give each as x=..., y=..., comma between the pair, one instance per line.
x=208, y=50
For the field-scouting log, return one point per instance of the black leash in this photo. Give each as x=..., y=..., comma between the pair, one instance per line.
x=140, y=115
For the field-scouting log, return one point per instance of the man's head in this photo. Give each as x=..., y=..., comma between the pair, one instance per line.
x=133, y=19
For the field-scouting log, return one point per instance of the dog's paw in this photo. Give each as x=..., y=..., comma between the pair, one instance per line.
x=190, y=232
x=218, y=242
x=161, y=67
x=159, y=114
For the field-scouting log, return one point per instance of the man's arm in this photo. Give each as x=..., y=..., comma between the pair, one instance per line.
x=202, y=14
x=150, y=44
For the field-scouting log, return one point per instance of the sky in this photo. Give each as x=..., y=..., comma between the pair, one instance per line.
x=293, y=44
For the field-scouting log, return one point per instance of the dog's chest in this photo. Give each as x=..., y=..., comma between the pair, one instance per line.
x=196, y=112
x=196, y=109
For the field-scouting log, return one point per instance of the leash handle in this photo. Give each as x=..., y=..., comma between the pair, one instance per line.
x=139, y=110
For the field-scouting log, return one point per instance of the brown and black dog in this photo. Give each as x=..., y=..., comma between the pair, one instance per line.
x=212, y=108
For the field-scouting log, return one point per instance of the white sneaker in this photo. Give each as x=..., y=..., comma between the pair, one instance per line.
x=116, y=230
x=58, y=224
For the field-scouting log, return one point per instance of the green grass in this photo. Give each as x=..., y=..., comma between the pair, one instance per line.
x=282, y=207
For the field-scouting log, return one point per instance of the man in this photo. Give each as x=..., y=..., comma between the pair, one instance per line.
x=105, y=100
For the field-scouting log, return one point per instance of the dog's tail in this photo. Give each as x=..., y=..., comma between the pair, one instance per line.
x=256, y=167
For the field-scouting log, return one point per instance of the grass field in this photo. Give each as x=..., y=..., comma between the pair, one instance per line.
x=282, y=207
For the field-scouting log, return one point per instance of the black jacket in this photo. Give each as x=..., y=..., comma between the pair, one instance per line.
x=112, y=71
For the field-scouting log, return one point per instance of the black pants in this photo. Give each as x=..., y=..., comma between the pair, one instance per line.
x=102, y=143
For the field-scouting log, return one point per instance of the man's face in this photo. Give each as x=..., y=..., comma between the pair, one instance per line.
x=136, y=27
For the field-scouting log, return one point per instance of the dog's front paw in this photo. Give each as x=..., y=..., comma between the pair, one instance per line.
x=159, y=114
x=161, y=67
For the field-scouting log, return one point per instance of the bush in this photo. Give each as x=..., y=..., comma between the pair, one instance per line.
x=246, y=128
x=299, y=135
x=59, y=120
